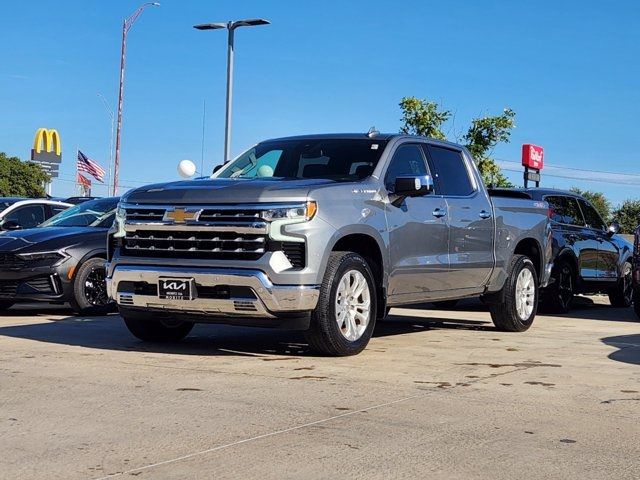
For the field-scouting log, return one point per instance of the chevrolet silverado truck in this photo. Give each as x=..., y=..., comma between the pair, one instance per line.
x=325, y=233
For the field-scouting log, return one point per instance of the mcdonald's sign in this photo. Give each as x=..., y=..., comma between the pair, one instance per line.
x=47, y=150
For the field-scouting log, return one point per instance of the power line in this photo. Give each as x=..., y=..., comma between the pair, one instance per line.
x=580, y=174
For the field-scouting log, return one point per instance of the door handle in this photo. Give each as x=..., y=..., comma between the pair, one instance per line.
x=439, y=213
x=484, y=214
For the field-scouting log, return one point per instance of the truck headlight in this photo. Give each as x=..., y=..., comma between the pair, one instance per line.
x=299, y=213
x=282, y=216
x=118, y=224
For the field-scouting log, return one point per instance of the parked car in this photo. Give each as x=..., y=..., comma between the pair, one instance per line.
x=589, y=256
x=79, y=200
x=323, y=233
x=18, y=213
x=62, y=260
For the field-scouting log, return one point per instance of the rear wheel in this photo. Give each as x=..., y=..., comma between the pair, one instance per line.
x=622, y=295
x=163, y=330
x=519, y=297
x=345, y=316
x=559, y=295
x=90, y=289
x=5, y=305
x=445, y=304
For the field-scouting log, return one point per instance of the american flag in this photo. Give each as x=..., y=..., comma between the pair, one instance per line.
x=85, y=164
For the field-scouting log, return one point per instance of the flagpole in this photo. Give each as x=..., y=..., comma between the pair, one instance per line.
x=77, y=171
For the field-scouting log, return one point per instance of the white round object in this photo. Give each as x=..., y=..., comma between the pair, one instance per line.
x=265, y=171
x=186, y=169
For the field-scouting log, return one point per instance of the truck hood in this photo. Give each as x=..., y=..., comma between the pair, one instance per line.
x=226, y=190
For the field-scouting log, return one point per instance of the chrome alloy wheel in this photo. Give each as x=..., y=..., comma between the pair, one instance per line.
x=525, y=294
x=353, y=305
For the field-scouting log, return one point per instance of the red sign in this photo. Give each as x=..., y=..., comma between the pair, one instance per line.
x=532, y=156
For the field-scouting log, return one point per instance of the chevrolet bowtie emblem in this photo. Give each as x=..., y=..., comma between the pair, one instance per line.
x=181, y=215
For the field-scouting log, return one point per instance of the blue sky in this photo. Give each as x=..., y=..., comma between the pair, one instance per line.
x=570, y=69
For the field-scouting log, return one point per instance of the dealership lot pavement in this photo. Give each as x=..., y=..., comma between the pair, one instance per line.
x=438, y=394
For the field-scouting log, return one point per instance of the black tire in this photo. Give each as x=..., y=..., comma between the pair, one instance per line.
x=160, y=330
x=636, y=301
x=505, y=314
x=324, y=335
x=90, y=289
x=6, y=305
x=558, y=297
x=622, y=295
x=445, y=304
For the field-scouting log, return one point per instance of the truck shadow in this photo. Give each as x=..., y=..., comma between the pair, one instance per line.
x=109, y=333
x=628, y=348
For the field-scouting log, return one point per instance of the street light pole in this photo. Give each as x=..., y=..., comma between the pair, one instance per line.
x=231, y=27
x=227, y=121
x=126, y=26
x=113, y=125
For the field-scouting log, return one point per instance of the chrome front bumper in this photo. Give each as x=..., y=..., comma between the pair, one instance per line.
x=268, y=300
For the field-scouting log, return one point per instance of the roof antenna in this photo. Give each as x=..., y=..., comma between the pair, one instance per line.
x=372, y=132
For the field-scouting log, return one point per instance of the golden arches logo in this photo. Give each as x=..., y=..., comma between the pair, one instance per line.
x=48, y=140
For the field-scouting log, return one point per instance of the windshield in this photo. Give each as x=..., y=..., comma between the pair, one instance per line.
x=342, y=160
x=96, y=213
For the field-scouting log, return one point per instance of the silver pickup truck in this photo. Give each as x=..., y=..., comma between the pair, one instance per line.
x=325, y=233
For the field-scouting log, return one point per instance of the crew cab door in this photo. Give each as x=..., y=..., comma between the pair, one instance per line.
x=469, y=213
x=608, y=254
x=418, y=233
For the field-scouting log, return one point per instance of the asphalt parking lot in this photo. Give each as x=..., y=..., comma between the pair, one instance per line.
x=437, y=394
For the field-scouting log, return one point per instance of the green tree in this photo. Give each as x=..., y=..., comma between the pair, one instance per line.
x=422, y=117
x=598, y=200
x=628, y=216
x=21, y=179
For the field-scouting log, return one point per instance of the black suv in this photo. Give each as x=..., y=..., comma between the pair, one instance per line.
x=588, y=255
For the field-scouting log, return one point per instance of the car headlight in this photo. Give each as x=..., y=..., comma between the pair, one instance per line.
x=51, y=258
x=298, y=213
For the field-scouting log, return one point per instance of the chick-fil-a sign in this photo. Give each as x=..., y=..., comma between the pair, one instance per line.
x=532, y=156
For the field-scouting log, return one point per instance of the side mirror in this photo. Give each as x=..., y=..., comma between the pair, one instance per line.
x=413, y=186
x=613, y=229
x=11, y=225
x=217, y=167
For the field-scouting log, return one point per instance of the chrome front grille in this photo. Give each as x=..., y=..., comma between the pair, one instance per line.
x=145, y=214
x=194, y=244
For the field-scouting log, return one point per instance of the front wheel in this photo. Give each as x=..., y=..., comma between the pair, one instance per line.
x=622, y=295
x=90, y=289
x=156, y=330
x=345, y=316
x=516, y=311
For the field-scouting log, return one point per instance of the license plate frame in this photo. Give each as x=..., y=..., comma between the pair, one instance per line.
x=175, y=288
